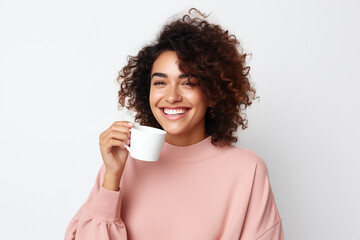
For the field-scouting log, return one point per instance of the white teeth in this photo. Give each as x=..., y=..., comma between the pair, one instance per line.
x=174, y=111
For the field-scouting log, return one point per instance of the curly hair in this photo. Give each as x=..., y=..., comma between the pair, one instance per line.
x=205, y=52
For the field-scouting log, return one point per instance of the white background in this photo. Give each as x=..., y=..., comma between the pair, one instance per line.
x=58, y=65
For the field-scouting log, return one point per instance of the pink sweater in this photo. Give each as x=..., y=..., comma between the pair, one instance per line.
x=197, y=192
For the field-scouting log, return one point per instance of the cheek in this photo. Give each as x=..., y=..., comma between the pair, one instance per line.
x=151, y=96
x=154, y=97
x=198, y=99
x=152, y=103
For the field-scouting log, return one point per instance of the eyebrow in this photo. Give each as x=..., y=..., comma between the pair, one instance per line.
x=184, y=75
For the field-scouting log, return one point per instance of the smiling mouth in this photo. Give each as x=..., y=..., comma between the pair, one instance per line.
x=174, y=112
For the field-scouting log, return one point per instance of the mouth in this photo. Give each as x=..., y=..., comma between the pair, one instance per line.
x=175, y=113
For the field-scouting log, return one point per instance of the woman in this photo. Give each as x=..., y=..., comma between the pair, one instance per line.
x=192, y=82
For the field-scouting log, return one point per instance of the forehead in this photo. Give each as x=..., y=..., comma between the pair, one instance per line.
x=166, y=61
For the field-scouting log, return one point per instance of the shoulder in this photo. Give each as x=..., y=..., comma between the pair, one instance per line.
x=243, y=161
x=243, y=156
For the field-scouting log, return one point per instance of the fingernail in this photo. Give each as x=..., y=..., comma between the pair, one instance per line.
x=130, y=124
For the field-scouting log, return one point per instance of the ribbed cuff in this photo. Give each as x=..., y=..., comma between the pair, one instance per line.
x=107, y=205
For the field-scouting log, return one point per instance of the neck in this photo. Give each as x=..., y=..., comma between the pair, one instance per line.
x=194, y=153
x=185, y=140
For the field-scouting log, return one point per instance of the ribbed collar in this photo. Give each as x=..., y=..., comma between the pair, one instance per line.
x=197, y=152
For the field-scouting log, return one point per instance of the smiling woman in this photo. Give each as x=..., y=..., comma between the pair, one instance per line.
x=193, y=83
x=206, y=53
x=177, y=103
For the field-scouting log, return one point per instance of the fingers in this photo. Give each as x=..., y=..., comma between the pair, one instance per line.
x=113, y=139
x=121, y=126
x=114, y=143
x=116, y=135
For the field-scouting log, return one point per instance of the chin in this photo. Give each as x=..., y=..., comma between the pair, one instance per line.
x=172, y=130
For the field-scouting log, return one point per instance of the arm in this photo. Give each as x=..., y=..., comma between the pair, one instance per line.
x=262, y=220
x=99, y=217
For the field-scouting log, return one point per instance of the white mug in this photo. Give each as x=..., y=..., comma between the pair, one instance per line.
x=146, y=143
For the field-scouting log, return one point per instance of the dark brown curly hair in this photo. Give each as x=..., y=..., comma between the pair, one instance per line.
x=209, y=54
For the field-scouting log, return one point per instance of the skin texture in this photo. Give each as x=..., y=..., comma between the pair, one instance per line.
x=171, y=88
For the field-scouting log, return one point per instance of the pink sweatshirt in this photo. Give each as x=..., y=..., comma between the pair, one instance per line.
x=200, y=192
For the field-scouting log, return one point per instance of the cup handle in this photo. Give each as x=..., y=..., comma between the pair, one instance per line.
x=127, y=147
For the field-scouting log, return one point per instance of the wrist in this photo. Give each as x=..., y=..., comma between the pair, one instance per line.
x=112, y=181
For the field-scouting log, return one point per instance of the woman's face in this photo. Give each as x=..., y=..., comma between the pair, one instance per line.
x=177, y=101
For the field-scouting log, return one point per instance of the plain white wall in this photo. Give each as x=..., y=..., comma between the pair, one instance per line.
x=58, y=65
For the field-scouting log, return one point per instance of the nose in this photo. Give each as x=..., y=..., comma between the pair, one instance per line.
x=173, y=95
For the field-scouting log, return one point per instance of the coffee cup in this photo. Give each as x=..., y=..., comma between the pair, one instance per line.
x=146, y=143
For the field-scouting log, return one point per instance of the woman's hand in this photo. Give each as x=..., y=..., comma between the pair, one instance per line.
x=114, y=153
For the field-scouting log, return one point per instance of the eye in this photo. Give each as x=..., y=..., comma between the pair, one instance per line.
x=159, y=83
x=188, y=83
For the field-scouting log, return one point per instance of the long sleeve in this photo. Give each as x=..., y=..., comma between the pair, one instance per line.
x=99, y=217
x=194, y=192
x=262, y=220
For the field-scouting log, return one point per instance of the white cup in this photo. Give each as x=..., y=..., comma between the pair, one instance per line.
x=146, y=143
